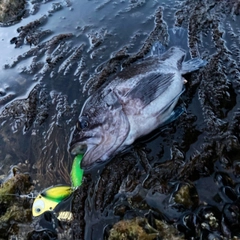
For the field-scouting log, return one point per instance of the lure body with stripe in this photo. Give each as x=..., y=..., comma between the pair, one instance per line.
x=48, y=199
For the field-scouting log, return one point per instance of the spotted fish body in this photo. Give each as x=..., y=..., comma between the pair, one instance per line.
x=134, y=103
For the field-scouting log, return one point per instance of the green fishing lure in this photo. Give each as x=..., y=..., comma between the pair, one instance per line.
x=77, y=173
x=49, y=198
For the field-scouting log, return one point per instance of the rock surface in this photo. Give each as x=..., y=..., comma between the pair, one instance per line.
x=10, y=10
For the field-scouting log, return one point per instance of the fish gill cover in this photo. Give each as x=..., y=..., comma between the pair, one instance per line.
x=186, y=178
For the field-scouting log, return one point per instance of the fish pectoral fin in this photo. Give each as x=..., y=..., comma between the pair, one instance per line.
x=151, y=87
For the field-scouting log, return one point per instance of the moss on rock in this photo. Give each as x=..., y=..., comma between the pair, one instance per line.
x=11, y=9
x=14, y=209
x=139, y=228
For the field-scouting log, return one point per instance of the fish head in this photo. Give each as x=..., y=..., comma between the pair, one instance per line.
x=100, y=130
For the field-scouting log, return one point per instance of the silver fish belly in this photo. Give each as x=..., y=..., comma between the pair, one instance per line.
x=137, y=101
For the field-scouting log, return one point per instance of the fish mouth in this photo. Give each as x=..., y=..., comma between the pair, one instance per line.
x=100, y=143
x=87, y=150
x=85, y=145
x=78, y=148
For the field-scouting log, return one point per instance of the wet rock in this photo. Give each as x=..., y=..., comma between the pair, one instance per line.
x=27, y=111
x=184, y=195
x=231, y=218
x=14, y=209
x=11, y=10
x=139, y=228
x=223, y=179
x=132, y=229
x=29, y=32
x=15, y=182
x=96, y=38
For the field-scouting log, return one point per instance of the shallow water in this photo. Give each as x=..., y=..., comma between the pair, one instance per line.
x=65, y=54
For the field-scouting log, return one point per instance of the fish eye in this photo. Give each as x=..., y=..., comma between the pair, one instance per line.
x=82, y=123
x=78, y=126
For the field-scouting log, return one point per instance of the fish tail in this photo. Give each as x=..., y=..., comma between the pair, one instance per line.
x=193, y=65
x=178, y=37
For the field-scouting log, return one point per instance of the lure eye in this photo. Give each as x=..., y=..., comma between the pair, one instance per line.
x=38, y=210
x=38, y=206
x=82, y=123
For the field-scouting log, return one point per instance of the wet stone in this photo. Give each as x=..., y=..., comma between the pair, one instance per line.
x=139, y=228
x=185, y=195
x=11, y=10
x=14, y=209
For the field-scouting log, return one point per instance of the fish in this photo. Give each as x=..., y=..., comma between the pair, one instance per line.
x=137, y=100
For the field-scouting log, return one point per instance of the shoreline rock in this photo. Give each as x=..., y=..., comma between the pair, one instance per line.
x=10, y=10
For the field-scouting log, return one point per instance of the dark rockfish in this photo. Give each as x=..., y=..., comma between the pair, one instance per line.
x=138, y=100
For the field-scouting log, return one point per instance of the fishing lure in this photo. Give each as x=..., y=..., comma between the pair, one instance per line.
x=48, y=199
x=77, y=173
